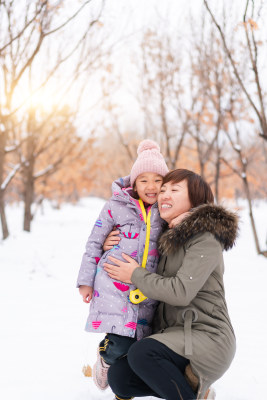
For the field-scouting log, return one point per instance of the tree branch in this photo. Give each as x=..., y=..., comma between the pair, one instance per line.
x=233, y=63
x=27, y=24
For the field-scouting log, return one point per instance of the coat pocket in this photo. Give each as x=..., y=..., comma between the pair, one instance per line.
x=205, y=307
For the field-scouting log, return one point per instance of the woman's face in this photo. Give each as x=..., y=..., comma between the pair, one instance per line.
x=173, y=200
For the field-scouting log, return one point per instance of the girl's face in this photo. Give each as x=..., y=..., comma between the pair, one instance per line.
x=148, y=186
x=173, y=200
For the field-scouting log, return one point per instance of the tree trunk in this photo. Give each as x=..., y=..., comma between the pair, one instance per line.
x=252, y=221
x=217, y=180
x=29, y=178
x=202, y=166
x=5, y=232
x=28, y=200
x=3, y=138
x=217, y=171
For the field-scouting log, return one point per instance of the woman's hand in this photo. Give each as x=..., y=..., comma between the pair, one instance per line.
x=122, y=271
x=111, y=240
x=178, y=220
x=86, y=292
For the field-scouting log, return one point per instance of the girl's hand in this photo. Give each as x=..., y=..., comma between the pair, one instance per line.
x=178, y=220
x=111, y=240
x=122, y=271
x=86, y=292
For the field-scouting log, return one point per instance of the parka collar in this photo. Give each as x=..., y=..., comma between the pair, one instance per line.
x=223, y=224
x=122, y=190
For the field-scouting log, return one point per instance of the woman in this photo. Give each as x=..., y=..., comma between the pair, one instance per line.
x=193, y=342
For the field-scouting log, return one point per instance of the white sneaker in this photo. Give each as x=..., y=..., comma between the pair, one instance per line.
x=100, y=373
x=210, y=394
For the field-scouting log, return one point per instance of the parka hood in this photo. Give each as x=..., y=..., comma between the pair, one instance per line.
x=122, y=190
x=223, y=224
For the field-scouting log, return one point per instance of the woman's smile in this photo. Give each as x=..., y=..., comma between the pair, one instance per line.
x=164, y=205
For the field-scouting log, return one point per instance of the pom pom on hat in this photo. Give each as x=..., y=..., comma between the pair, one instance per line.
x=149, y=159
x=147, y=144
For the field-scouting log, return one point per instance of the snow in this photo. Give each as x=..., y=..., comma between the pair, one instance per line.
x=44, y=171
x=43, y=345
x=10, y=176
x=237, y=147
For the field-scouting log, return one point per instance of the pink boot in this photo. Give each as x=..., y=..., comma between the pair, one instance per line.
x=100, y=372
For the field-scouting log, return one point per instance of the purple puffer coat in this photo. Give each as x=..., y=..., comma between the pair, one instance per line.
x=111, y=310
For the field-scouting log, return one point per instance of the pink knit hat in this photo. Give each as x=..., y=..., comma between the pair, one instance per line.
x=149, y=159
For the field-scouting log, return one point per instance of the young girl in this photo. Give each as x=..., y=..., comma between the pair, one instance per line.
x=120, y=310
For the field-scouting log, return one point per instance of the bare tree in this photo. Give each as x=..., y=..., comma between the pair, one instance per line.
x=44, y=151
x=163, y=94
x=210, y=91
x=24, y=33
x=258, y=102
x=236, y=111
x=240, y=168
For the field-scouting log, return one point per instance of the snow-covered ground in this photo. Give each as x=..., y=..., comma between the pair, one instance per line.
x=43, y=346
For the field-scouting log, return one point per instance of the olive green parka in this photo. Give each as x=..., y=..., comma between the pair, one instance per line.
x=192, y=317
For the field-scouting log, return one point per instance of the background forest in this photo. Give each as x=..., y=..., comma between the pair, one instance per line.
x=82, y=82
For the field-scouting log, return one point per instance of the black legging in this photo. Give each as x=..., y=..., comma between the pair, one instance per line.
x=150, y=369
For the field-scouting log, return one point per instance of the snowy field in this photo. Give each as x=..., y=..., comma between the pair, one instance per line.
x=43, y=346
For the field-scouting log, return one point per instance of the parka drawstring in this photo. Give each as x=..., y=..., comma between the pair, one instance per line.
x=136, y=296
x=189, y=315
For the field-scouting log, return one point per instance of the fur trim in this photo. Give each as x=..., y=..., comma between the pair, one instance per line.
x=223, y=224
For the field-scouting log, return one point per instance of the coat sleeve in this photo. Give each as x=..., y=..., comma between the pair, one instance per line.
x=94, y=246
x=202, y=256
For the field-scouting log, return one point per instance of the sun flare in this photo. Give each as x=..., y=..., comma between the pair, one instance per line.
x=45, y=99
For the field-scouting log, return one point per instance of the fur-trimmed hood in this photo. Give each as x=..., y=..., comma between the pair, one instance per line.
x=223, y=224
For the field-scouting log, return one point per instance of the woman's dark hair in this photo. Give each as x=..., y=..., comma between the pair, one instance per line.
x=199, y=191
